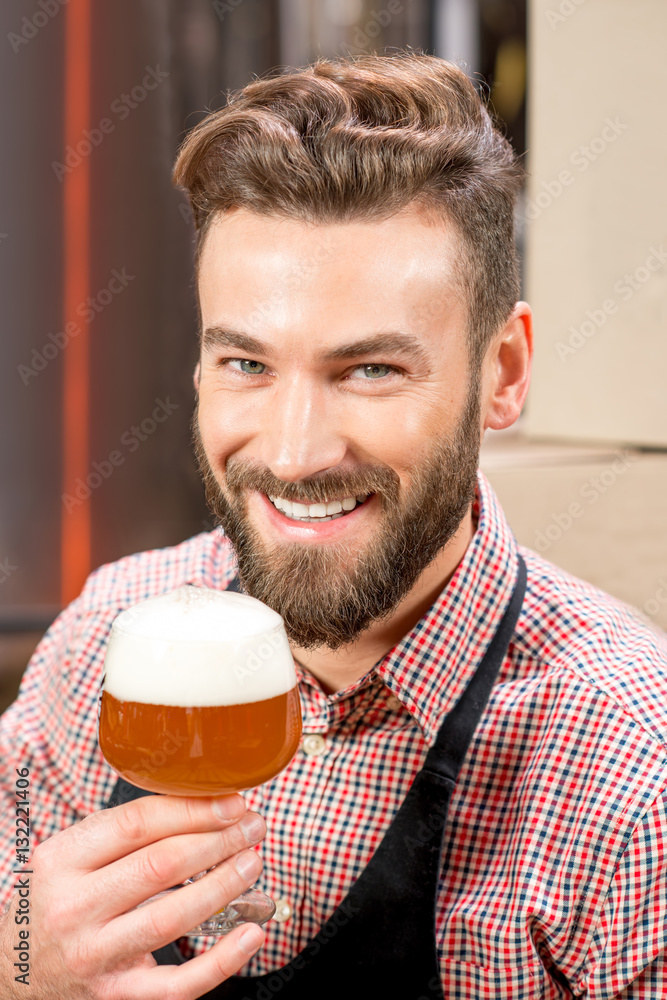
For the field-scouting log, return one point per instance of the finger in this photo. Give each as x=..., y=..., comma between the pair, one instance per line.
x=105, y=836
x=143, y=930
x=199, y=975
x=125, y=883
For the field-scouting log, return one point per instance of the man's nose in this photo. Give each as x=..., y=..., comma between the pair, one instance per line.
x=301, y=431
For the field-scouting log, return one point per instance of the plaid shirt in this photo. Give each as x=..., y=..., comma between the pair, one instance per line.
x=556, y=840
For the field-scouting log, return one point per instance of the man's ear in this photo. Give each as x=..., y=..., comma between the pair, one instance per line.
x=195, y=377
x=507, y=369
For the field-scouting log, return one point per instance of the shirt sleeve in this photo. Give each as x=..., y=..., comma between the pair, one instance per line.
x=51, y=729
x=630, y=943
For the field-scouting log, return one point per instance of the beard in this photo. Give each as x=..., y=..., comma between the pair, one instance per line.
x=328, y=594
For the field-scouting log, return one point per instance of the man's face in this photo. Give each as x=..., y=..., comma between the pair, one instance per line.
x=334, y=373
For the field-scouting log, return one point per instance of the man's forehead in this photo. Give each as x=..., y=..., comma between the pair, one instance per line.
x=397, y=273
x=415, y=231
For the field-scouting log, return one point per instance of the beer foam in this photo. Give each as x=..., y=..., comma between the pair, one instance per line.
x=196, y=646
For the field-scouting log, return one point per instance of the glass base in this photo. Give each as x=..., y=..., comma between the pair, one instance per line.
x=252, y=906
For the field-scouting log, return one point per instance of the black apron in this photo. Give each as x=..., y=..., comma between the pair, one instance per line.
x=380, y=941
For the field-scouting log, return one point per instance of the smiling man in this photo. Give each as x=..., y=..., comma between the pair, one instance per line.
x=340, y=449
x=478, y=805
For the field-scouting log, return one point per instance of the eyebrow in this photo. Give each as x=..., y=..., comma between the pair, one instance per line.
x=394, y=342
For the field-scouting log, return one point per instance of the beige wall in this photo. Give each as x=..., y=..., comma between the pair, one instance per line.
x=596, y=220
x=597, y=512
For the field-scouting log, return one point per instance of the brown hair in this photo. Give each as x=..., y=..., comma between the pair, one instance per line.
x=360, y=138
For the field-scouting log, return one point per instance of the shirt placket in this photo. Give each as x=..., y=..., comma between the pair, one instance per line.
x=321, y=771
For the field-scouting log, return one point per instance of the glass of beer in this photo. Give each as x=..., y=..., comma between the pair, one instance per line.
x=200, y=698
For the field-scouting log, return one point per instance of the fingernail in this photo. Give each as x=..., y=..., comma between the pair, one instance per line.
x=230, y=807
x=248, y=865
x=253, y=826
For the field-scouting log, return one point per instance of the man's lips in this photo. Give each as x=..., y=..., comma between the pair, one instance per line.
x=311, y=530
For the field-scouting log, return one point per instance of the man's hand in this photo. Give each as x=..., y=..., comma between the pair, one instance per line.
x=87, y=942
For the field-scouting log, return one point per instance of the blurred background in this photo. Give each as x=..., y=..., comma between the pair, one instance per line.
x=98, y=340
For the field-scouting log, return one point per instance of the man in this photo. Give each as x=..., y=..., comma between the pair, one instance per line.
x=478, y=805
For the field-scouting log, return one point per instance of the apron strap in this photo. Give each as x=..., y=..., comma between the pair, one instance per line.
x=451, y=745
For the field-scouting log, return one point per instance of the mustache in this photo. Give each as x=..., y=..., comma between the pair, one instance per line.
x=244, y=474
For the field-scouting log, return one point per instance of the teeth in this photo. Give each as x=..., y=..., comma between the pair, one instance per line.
x=321, y=511
x=332, y=517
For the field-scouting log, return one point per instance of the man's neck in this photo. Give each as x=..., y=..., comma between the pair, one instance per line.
x=336, y=670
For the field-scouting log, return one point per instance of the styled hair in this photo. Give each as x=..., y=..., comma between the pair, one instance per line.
x=359, y=139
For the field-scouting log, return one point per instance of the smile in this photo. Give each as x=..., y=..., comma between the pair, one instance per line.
x=318, y=512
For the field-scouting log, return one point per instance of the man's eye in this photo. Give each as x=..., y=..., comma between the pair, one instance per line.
x=246, y=366
x=372, y=371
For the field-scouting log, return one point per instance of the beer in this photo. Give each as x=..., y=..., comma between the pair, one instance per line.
x=200, y=694
x=200, y=750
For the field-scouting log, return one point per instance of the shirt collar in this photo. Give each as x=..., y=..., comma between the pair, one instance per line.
x=431, y=666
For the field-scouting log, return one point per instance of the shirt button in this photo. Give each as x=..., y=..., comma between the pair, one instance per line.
x=283, y=911
x=314, y=744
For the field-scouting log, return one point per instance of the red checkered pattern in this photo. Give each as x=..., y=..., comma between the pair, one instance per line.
x=555, y=864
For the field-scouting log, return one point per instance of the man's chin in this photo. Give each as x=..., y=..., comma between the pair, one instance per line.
x=321, y=591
